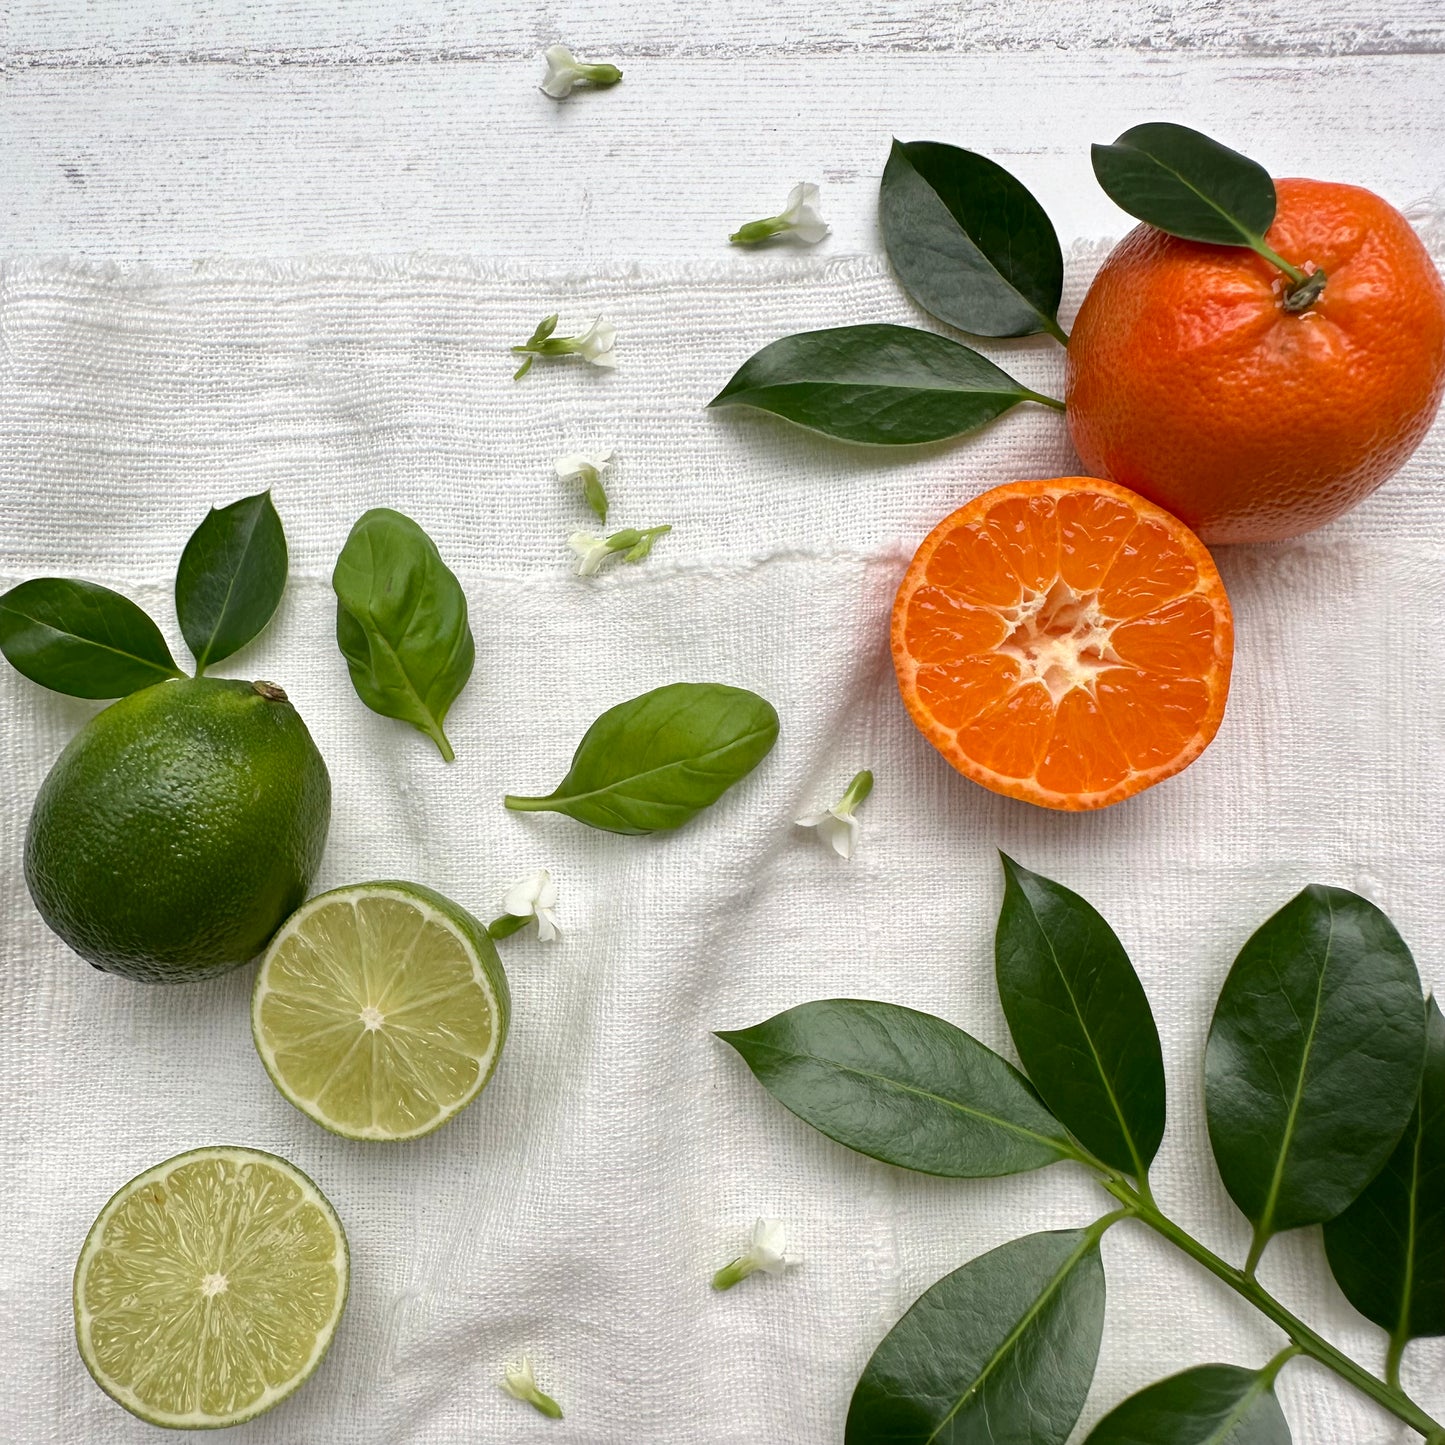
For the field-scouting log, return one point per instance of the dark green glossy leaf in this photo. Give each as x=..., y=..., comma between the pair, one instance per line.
x=1080, y=1019
x=1000, y=1352
x=657, y=760
x=969, y=242
x=401, y=623
x=891, y=385
x=1184, y=183
x=231, y=577
x=1387, y=1250
x=903, y=1087
x=1313, y=1061
x=78, y=638
x=1209, y=1405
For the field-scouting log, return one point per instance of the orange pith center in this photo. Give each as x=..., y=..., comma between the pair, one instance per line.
x=1061, y=639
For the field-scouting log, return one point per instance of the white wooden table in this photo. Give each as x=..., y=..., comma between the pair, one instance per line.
x=165, y=130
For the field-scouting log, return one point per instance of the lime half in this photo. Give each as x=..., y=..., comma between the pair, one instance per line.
x=380, y=1010
x=209, y=1288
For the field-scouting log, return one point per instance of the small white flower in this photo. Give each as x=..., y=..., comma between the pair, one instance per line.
x=801, y=214
x=767, y=1253
x=838, y=828
x=587, y=468
x=535, y=896
x=799, y=219
x=591, y=552
x=769, y=1247
x=596, y=343
x=593, y=346
x=839, y=831
x=520, y=1380
x=564, y=70
x=521, y=1384
x=576, y=465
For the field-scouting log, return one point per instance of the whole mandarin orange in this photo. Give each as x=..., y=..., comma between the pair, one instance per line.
x=1191, y=383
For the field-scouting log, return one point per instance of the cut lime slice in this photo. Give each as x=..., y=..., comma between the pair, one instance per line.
x=380, y=1010
x=209, y=1288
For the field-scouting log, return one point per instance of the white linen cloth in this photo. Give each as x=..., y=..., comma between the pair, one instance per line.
x=578, y=1209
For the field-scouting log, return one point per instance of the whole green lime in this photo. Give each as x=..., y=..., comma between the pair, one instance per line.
x=179, y=829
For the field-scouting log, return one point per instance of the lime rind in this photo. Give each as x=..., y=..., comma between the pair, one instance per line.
x=126, y=1397
x=487, y=974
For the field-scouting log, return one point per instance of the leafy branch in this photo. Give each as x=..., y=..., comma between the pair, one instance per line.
x=1325, y=1095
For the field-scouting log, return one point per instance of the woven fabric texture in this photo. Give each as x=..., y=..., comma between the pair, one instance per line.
x=576, y=1211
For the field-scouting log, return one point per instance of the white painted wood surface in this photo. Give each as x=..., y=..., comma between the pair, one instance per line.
x=165, y=130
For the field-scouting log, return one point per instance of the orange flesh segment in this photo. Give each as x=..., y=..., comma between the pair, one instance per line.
x=1064, y=641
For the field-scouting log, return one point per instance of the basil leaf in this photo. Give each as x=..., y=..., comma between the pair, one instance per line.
x=970, y=243
x=1208, y=1405
x=1003, y=1349
x=1184, y=183
x=1313, y=1062
x=401, y=623
x=81, y=639
x=654, y=762
x=230, y=579
x=891, y=385
x=1080, y=1019
x=1387, y=1250
x=903, y=1087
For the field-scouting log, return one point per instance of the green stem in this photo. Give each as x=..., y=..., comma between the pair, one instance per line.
x=507, y=925
x=1272, y=1369
x=1045, y=400
x=1056, y=331
x=1256, y=1252
x=755, y=231
x=1392, y=1359
x=527, y=805
x=601, y=75
x=1384, y=1393
x=1307, y=285
x=734, y=1273
x=1275, y=259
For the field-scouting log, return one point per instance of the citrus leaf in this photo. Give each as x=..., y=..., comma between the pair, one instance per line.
x=657, y=760
x=1184, y=183
x=890, y=385
x=231, y=577
x=1208, y=1405
x=1000, y=1351
x=401, y=623
x=1080, y=1019
x=903, y=1087
x=78, y=638
x=1314, y=1058
x=1387, y=1250
x=970, y=243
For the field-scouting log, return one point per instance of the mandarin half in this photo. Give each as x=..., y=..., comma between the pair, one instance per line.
x=1065, y=642
x=1190, y=383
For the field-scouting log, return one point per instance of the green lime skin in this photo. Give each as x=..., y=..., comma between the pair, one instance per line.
x=179, y=829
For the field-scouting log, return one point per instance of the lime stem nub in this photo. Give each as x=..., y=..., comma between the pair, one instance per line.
x=271, y=691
